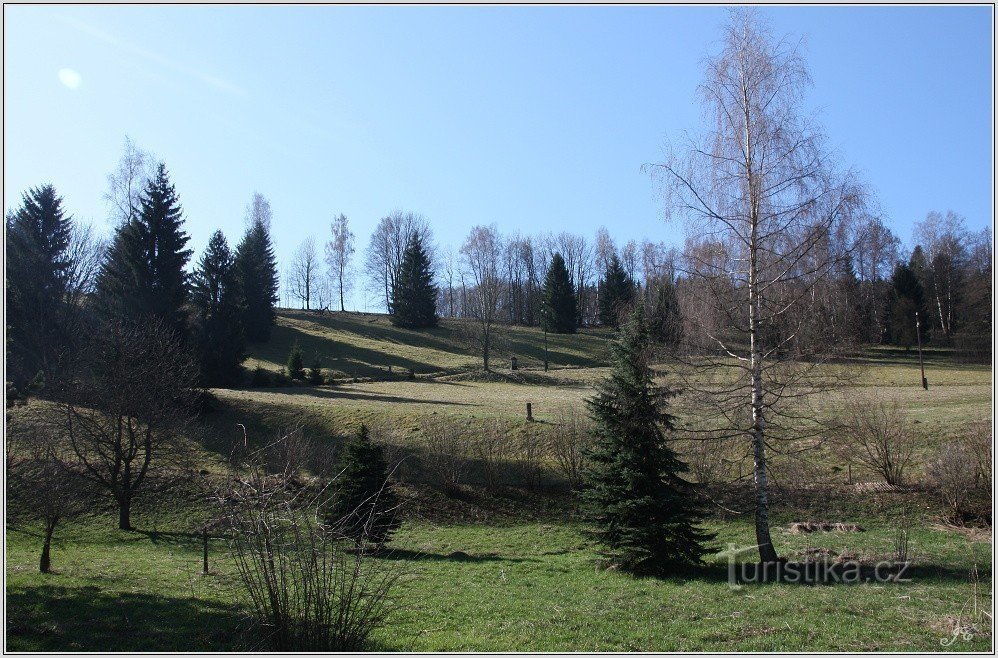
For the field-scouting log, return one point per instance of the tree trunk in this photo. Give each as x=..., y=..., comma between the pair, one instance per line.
x=342, y=307
x=766, y=551
x=125, y=513
x=485, y=352
x=44, y=563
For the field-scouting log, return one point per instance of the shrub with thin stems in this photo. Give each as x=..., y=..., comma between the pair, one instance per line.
x=446, y=451
x=567, y=441
x=309, y=586
x=492, y=446
x=953, y=472
x=878, y=434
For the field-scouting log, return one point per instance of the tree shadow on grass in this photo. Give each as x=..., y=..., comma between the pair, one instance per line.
x=57, y=618
x=344, y=394
x=403, y=554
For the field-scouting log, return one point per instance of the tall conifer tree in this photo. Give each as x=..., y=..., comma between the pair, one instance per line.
x=218, y=331
x=38, y=263
x=907, y=298
x=616, y=292
x=642, y=512
x=414, y=297
x=144, y=275
x=256, y=273
x=559, y=306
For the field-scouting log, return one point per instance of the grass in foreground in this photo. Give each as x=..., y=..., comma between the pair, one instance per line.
x=519, y=587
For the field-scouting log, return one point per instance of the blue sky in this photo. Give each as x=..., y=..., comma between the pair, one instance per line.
x=535, y=118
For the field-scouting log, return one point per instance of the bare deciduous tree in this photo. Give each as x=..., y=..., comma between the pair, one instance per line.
x=944, y=240
x=258, y=211
x=387, y=249
x=125, y=184
x=482, y=252
x=304, y=273
x=41, y=486
x=339, y=250
x=125, y=409
x=759, y=190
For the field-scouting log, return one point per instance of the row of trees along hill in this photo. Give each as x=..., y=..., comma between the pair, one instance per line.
x=58, y=274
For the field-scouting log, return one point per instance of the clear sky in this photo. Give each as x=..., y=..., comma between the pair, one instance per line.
x=535, y=118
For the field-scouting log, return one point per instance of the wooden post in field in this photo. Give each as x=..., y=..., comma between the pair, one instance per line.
x=530, y=414
x=850, y=472
x=204, y=539
x=921, y=365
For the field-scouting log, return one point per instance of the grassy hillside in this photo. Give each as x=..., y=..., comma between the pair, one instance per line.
x=366, y=344
x=511, y=569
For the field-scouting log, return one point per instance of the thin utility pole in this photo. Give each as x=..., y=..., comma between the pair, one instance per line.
x=918, y=335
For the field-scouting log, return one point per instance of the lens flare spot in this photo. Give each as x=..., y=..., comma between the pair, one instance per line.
x=70, y=78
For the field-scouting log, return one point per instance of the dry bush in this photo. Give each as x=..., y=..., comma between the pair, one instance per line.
x=533, y=452
x=981, y=445
x=953, y=472
x=708, y=459
x=447, y=454
x=290, y=452
x=492, y=447
x=878, y=434
x=567, y=443
x=309, y=586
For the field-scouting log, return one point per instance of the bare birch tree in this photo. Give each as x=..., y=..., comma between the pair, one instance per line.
x=258, y=211
x=304, y=272
x=339, y=250
x=760, y=199
x=124, y=185
x=387, y=248
x=943, y=238
x=482, y=253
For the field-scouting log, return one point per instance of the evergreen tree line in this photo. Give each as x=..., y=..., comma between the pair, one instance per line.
x=58, y=275
x=59, y=279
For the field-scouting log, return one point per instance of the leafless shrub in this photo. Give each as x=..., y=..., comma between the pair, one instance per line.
x=878, y=434
x=954, y=473
x=533, y=451
x=567, y=442
x=980, y=443
x=446, y=457
x=310, y=586
x=290, y=452
x=707, y=459
x=492, y=447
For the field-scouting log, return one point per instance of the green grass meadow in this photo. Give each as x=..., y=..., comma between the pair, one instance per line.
x=523, y=577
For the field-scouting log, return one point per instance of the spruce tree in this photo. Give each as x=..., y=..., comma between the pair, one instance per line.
x=414, y=296
x=559, y=308
x=256, y=273
x=218, y=333
x=616, y=292
x=364, y=504
x=665, y=323
x=38, y=264
x=144, y=275
x=642, y=512
x=296, y=364
x=907, y=298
